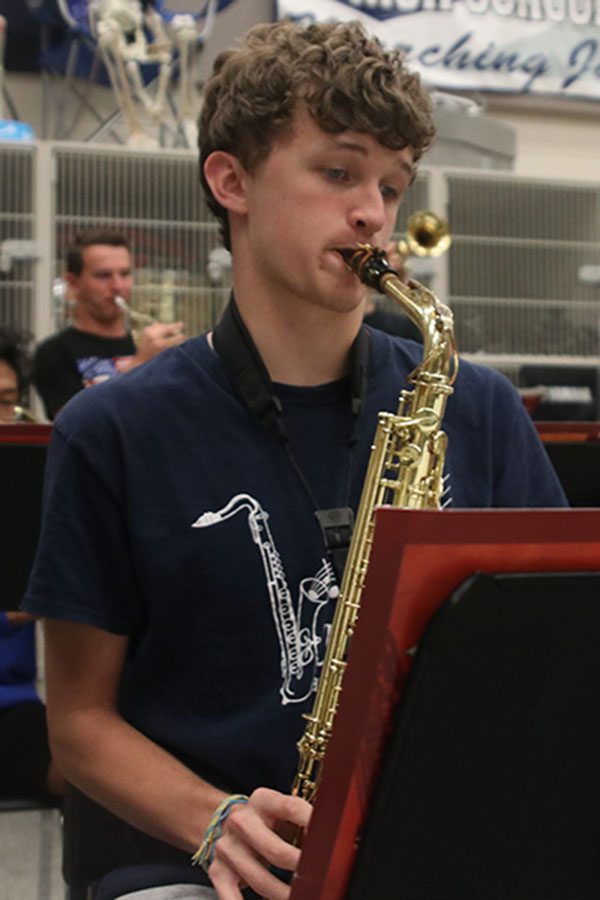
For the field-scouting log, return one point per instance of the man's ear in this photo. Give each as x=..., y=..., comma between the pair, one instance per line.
x=226, y=177
x=71, y=279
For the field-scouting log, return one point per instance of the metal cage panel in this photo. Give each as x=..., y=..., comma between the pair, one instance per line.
x=514, y=270
x=513, y=273
x=156, y=200
x=17, y=232
x=517, y=327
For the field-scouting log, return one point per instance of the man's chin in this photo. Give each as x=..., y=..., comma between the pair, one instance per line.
x=110, y=316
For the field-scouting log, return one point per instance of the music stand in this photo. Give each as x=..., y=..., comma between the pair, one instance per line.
x=419, y=558
x=574, y=451
x=569, y=392
x=490, y=780
x=22, y=460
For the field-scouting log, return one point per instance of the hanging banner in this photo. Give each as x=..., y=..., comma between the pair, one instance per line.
x=534, y=47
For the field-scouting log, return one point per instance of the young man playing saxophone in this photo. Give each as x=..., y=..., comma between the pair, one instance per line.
x=193, y=568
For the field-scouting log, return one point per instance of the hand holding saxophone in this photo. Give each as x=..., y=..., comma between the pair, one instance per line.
x=253, y=839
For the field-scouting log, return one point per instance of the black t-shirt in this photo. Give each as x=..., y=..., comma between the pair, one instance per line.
x=73, y=359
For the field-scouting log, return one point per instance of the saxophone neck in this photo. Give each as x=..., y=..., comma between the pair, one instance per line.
x=432, y=317
x=435, y=321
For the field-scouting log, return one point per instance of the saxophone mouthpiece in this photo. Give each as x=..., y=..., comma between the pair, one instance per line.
x=347, y=254
x=369, y=263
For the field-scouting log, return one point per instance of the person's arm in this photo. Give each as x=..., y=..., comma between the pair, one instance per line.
x=524, y=475
x=99, y=752
x=16, y=618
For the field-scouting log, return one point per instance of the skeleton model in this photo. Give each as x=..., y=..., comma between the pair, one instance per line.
x=132, y=34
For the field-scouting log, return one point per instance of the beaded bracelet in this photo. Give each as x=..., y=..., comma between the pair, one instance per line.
x=205, y=853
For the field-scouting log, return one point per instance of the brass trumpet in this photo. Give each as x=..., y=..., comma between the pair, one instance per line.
x=23, y=414
x=427, y=234
x=139, y=318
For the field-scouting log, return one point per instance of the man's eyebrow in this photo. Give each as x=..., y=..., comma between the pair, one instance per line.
x=354, y=146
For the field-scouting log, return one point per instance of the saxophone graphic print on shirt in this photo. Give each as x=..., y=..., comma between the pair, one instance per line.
x=301, y=643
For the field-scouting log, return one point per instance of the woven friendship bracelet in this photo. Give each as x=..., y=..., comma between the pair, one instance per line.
x=205, y=853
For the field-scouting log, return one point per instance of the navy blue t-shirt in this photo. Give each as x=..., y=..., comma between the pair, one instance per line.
x=173, y=517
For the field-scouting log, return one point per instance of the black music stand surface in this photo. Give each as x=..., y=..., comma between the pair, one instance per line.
x=22, y=460
x=574, y=451
x=491, y=785
x=488, y=791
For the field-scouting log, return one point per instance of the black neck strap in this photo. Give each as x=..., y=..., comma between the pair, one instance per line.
x=243, y=363
x=248, y=373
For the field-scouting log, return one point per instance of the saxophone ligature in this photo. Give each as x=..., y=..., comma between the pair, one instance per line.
x=405, y=470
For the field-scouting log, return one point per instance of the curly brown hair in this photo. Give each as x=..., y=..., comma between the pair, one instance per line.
x=343, y=76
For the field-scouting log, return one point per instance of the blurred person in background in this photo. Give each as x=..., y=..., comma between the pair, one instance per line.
x=13, y=373
x=98, y=344
x=26, y=767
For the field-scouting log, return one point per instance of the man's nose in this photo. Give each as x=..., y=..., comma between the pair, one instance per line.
x=367, y=215
x=118, y=283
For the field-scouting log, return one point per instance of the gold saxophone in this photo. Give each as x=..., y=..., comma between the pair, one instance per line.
x=405, y=470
